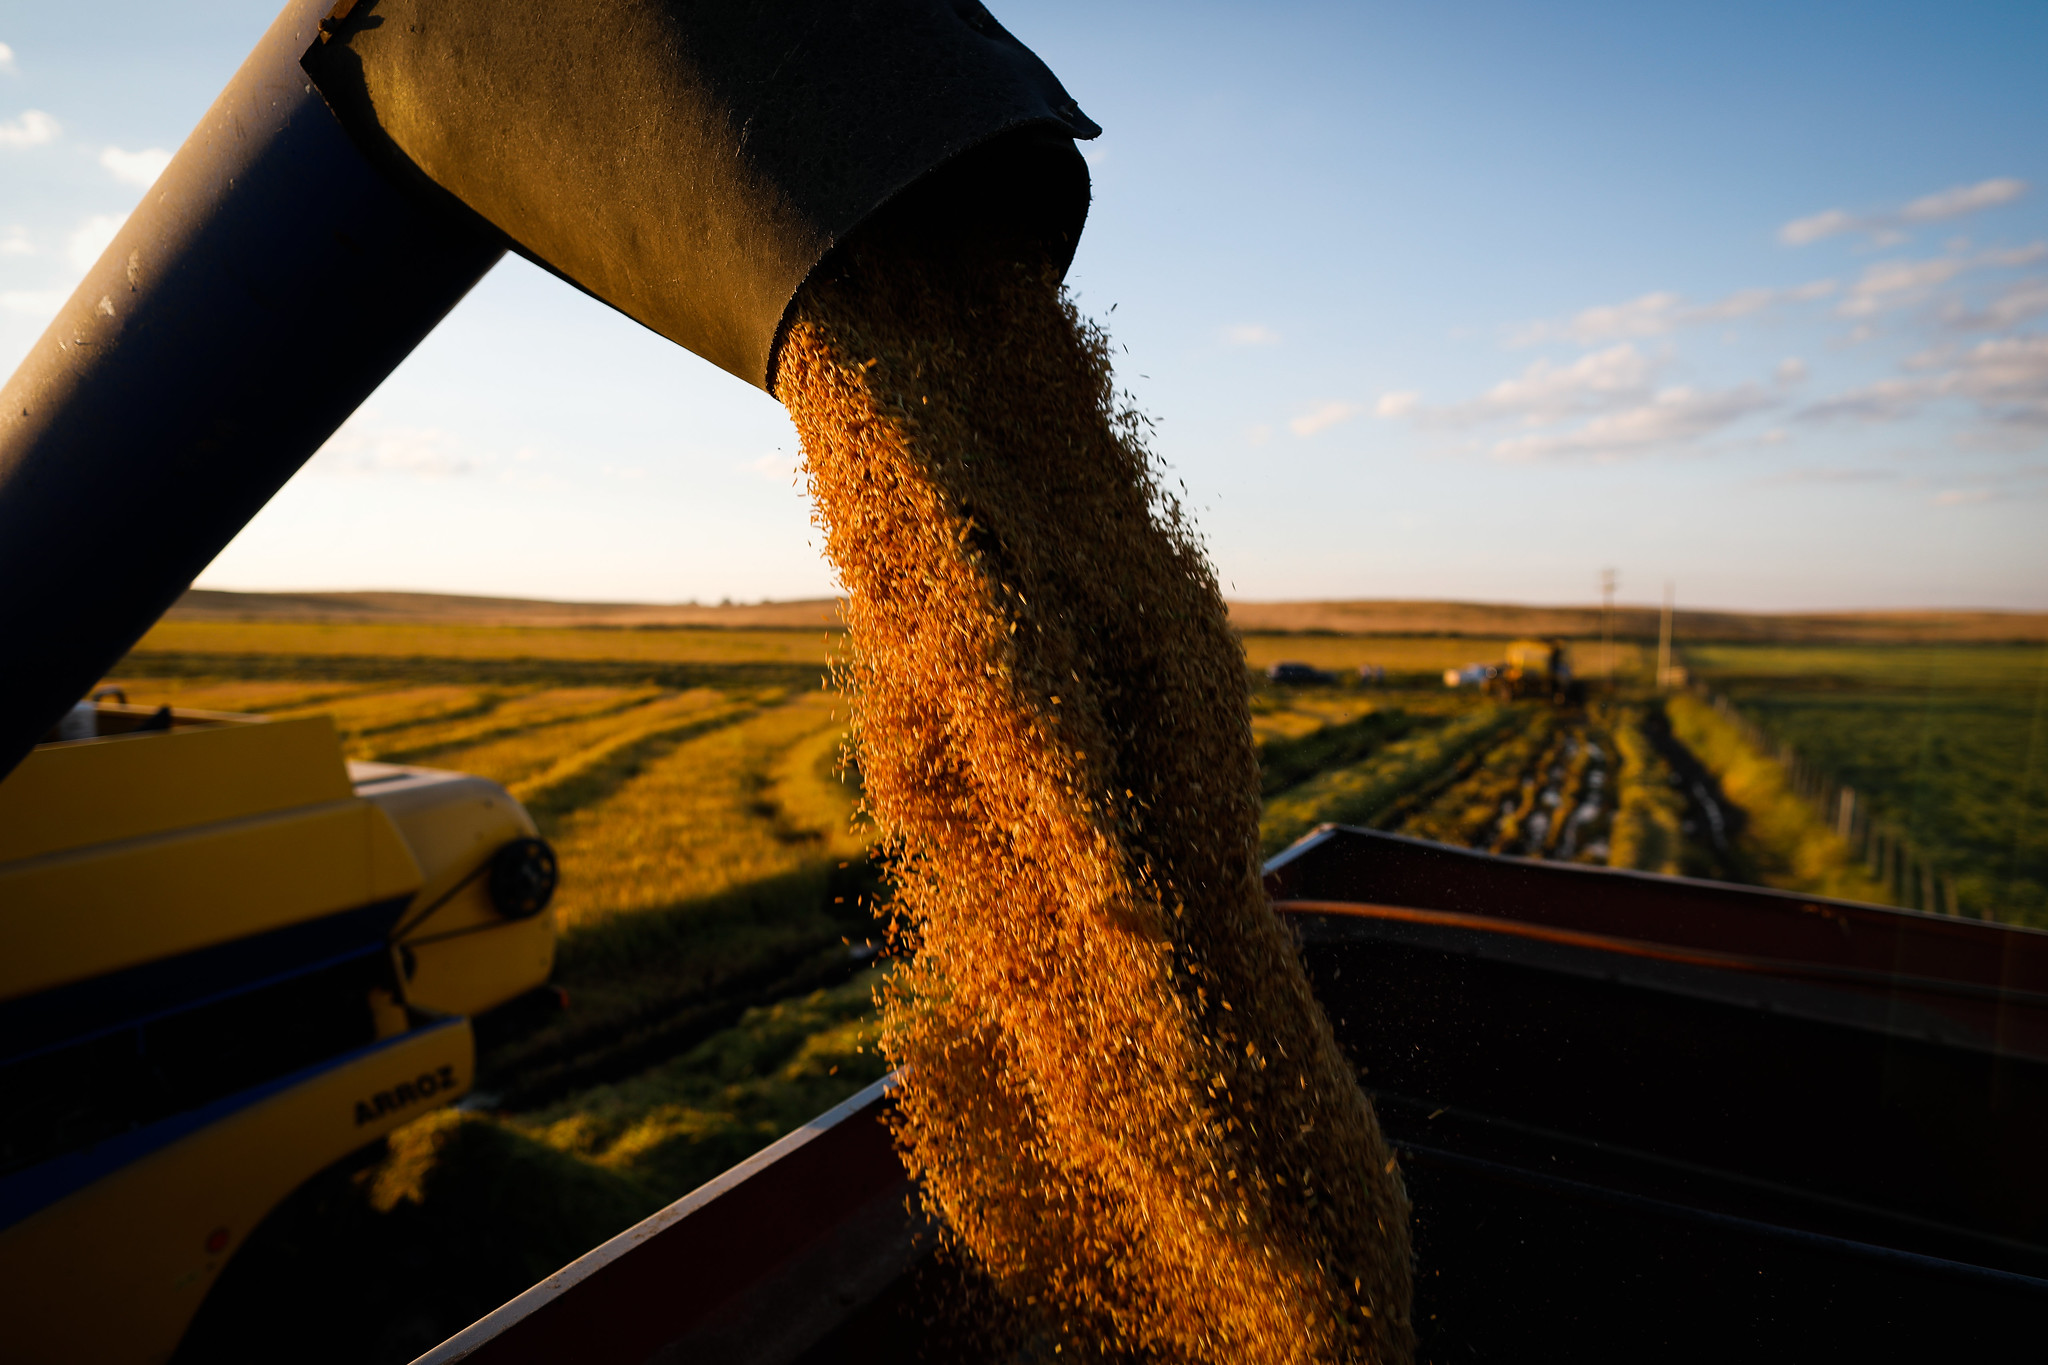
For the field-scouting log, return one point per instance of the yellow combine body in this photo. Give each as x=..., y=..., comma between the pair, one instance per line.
x=228, y=958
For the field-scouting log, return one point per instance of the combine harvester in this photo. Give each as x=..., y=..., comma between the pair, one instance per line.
x=1641, y=1118
x=227, y=959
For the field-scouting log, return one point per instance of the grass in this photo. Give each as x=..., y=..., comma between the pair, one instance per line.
x=461, y=1211
x=1947, y=744
x=1423, y=657
x=1365, y=792
x=1473, y=811
x=1783, y=841
x=678, y=1124
x=1649, y=821
x=715, y=811
x=653, y=644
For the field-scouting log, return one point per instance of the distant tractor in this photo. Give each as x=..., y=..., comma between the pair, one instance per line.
x=1537, y=668
x=1533, y=669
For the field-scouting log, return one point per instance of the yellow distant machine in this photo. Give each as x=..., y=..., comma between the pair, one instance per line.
x=228, y=958
x=1537, y=668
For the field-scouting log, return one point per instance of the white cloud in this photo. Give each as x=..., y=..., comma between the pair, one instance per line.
x=15, y=242
x=1791, y=370
x=1397, y=403
x=1889, y=282
x=1829, y=223
x=1900, y=283
x=363, y=448
x=41, y=304
x=2020, y=301
x=1962, y=199
x=135, y=168
x=1675, y=417
x=2006, y=378
x=1601, y=381
x=1546, y=392
x=91, y=238
x=1660, y=313
x=32, y=129
x=7, y=66
x=1648, y=316
x=1960, y=497
x=1885, y=225
x=1323, y=418
x=1251, y=334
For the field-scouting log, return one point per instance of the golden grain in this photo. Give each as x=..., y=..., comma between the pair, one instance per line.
x=1100, y=1016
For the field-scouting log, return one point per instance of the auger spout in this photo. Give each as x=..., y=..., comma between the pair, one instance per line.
x=688, y=163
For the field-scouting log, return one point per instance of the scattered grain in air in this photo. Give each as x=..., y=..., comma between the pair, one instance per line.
x=1035, y=914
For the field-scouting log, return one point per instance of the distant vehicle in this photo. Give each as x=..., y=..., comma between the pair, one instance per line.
x=1538, y=668
x=1534, y=668
x=1298, y=674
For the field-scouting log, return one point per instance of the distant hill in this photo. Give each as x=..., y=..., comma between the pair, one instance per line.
x=425, y=608
x=1635, y=622
x=1333, y=618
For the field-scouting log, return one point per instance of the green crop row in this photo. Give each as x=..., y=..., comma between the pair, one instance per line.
x=1649, y=818
x=1945, y=748
x=1783, y=840
x=1361, y=792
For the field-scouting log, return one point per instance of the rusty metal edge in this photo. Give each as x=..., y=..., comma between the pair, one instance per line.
x=1324, y=833
x=508, y=1315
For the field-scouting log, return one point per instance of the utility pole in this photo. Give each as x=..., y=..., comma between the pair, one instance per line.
x=1607, y=624
x=1664, y=640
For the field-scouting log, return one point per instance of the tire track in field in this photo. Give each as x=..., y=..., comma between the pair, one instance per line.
x=504, y=721
x=593, y=774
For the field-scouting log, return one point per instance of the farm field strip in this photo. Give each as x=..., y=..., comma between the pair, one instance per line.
x=653, y=644
x=711, y=869
x=1470, y=811
x=1425, y=656
x=2010, y=669
x=518, y=714
x=235, y=695
x=1944, y=746
x=1294, y=716
x=555, y=770
x=1363, y=792
x=707, y=816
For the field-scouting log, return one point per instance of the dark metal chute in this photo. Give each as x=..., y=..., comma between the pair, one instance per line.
x=688, y=163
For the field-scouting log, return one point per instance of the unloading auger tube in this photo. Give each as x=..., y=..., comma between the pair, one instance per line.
x=688, y=163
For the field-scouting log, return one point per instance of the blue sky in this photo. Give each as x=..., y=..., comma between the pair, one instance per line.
x=1429, y=301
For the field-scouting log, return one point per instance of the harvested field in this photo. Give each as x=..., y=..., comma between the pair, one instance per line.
x=703, y=827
